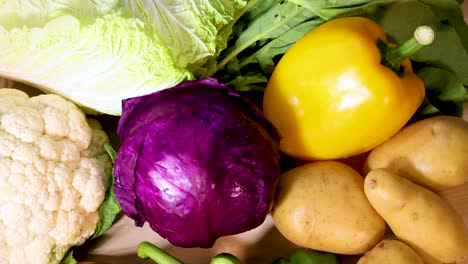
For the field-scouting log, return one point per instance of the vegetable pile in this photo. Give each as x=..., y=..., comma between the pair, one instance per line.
x=349, y=214
x=224, y=112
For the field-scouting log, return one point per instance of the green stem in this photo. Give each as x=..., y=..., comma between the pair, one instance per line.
x=147, y=250
x=423, y=36
x=225, y=258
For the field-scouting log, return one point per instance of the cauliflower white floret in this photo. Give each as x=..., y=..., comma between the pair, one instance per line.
x=53, y=177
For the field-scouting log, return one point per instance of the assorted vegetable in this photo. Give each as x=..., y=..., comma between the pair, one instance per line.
x=227, y=111
x=270, y=28
x=197, y=162
x=125, y=48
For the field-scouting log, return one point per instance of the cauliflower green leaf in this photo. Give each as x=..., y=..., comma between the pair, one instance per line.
x=110, y=207
x=69, y=259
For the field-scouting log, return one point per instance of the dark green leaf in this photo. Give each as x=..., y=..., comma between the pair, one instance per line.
x=248, y=82
x=331, y=9
x=274, y=23
x=445, y=94
x=259, y=8
x=399, y=21
x=265, y=55
x=450, y=11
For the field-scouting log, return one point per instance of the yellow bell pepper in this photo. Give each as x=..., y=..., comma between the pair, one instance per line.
x=342, y=90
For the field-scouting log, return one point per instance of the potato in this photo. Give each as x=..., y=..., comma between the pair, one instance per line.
x=391, y=251
x=432, y=152
x=418, y=216
x=322, y=206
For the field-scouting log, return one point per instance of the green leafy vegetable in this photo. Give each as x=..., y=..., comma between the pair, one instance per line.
x=95, y=65
x=265, y=56
x=445, y=92
x=265, y=31
x=444, y=62
x=447, y=51
x=450, y=11
x=97, y=53
x=248, y=82
x=331, y=9
x=269, y=28
x=193, y=33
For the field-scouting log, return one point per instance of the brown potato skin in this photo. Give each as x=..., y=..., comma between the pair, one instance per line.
x=391, y=251
x=432, y=152
x=321, y=205
x=418, y=216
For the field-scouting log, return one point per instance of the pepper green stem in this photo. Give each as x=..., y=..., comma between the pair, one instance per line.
x=423, y=36
x=225, y=258
x=147, y=250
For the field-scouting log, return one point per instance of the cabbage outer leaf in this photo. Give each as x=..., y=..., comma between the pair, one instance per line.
x=99, y=52
x=94, y=61
x=196, y=30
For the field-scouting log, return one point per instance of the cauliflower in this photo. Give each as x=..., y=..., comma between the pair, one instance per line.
x=53, y=177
